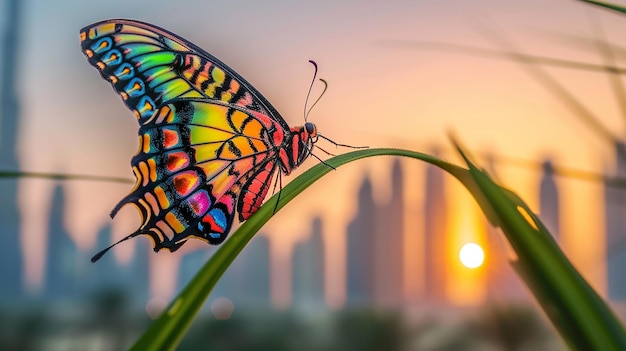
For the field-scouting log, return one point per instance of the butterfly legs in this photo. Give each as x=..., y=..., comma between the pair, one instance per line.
x=278, y=180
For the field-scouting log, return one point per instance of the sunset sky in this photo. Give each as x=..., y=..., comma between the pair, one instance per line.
x=381, y=93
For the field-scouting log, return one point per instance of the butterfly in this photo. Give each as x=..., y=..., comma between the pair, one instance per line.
x=209, y=142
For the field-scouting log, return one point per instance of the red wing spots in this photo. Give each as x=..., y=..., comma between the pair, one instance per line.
x=170, y=138
x=186, y=182
x=177, y=161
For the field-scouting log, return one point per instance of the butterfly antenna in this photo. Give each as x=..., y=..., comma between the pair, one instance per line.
x=318, y=99
x=306, y=114
x=342, y=145
x=307, y=111
x=99, y=255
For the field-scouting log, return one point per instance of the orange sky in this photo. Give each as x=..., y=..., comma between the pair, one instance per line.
x=379, y=95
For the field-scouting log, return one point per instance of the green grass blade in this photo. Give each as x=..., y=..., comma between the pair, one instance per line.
x=607, y=5
x=166, y=332
x=62, y=176
x=584, y=320
x=580, y=315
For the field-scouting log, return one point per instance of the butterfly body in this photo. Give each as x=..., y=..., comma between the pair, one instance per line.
x=209, y=142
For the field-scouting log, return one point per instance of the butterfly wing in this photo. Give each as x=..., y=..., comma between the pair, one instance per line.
x=208, y=139
x=149, y=66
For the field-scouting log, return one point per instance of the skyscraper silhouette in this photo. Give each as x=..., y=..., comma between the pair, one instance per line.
x=62, y=259
x=361, y=248
x=247, y=281
x=132, y=277
x=104, y=272
x=135, y=274
x=389, y=244
x=190, y=264
x=375, y=258
x=435, y=233
x=308, y=269
x=549, y=200
x=615, y=207
x=10, y=250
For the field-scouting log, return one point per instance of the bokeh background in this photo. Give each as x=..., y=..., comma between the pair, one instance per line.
x=369, y=256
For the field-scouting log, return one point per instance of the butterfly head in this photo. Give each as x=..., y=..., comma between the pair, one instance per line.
x=311, y=131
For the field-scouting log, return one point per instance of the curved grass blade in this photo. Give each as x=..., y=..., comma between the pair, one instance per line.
x=581, y=316
x=607, y=5
x=583, y=319
x=166, y=332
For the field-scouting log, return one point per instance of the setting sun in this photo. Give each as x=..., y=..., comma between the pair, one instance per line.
x=472, y=255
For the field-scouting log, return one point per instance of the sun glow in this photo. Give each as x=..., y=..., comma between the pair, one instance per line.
x=472, y=255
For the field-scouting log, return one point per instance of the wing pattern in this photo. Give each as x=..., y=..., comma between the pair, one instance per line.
x=209, y=142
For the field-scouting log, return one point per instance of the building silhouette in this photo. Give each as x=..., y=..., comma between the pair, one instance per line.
x=247, y=281
x=549, y=200
x=131, y=277
x=435, y=234
x=61, y=270
x=375, y=245
x=308, y=269
x=134, y=275
x=10, y=251
x=190, y=264
x=361, y=240
x=615, y=217
x=104, y=272
x=389, y=244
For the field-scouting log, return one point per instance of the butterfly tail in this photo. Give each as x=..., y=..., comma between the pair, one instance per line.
x=128, y=199
x=99, y=255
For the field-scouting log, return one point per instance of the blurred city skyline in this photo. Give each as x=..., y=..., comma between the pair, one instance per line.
x=375, y=261
x=91, y=132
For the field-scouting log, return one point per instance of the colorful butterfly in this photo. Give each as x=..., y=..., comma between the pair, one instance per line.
x=209, y=142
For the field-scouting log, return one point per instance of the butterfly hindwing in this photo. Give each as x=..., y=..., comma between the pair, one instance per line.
x=193, y=157
x=255, y=189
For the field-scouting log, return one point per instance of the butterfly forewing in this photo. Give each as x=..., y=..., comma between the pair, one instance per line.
x=149, y=66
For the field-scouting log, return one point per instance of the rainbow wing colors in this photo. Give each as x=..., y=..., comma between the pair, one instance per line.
x=209, y=142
